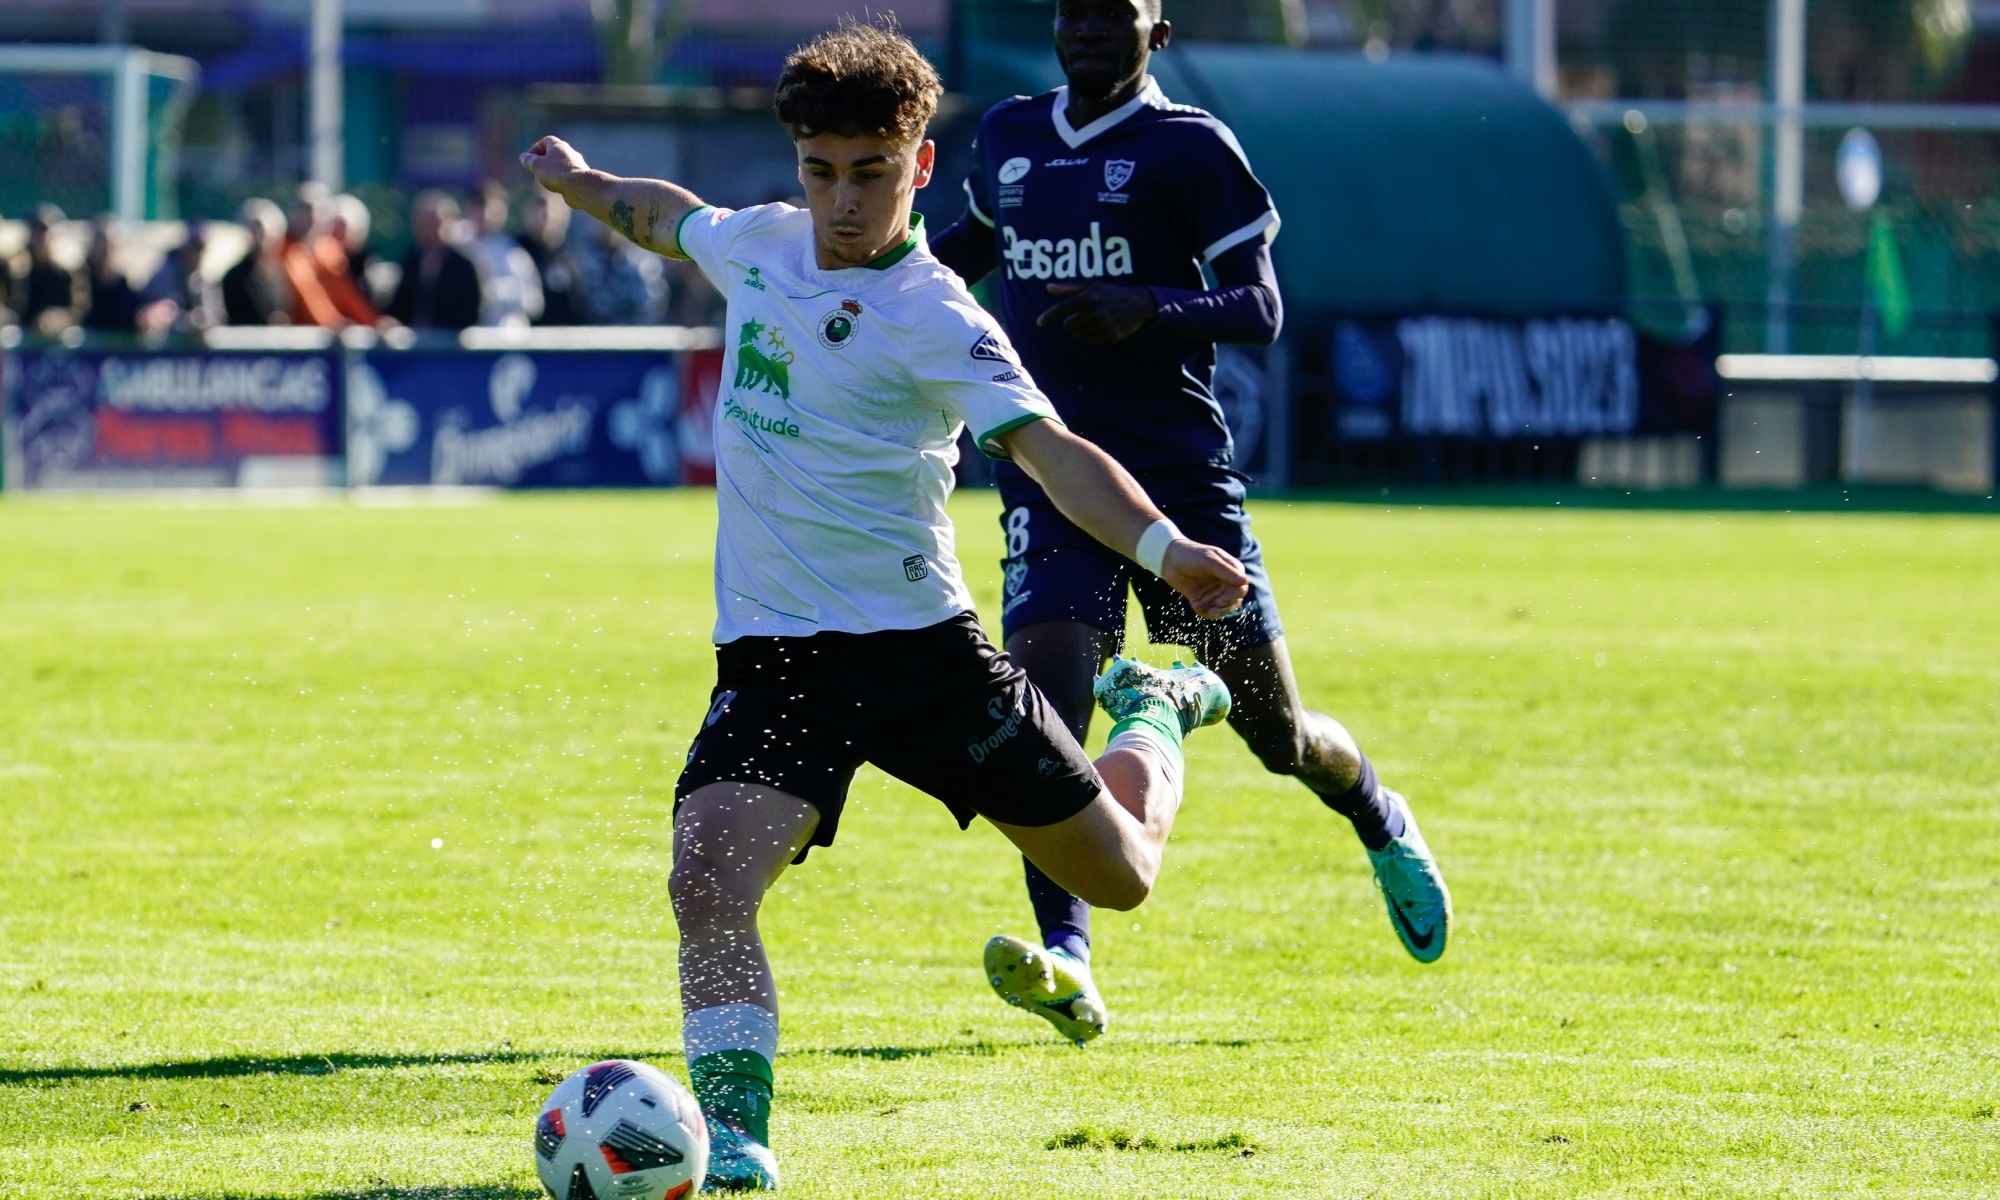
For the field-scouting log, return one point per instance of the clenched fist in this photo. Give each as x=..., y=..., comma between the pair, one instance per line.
x=1212, y=579
x=555, y=164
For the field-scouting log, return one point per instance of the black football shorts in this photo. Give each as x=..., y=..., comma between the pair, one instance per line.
x=939, y=708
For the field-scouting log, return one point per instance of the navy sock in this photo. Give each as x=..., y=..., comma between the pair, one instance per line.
x=1064, y=919
x=1375, y=819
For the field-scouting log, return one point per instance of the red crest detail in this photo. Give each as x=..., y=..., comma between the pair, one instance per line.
x=853, y=306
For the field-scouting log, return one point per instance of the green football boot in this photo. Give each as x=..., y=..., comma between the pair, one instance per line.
x=1048, y=983
x=1196, y=694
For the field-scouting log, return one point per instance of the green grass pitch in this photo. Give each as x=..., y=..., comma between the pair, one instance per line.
x=330, y=837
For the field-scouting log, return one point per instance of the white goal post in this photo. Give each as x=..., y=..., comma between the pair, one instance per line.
x=147, y=98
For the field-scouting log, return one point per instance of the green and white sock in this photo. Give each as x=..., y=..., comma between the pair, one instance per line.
x=730, y=1048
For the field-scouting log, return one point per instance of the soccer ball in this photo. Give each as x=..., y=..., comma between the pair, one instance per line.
x=620, y=1130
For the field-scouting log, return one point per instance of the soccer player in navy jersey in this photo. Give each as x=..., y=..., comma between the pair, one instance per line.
x=1098, y=205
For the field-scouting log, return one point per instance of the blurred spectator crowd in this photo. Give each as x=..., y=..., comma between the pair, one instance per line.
x=313, y=262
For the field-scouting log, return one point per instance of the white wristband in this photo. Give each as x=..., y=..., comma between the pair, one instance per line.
x=1152, y=551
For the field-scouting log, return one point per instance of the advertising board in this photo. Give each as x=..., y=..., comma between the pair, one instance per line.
x=1568, y=377
x=529, y=419
x=101, y=418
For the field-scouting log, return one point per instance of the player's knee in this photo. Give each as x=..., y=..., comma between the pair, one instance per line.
x=707, y=889
x=1122, y=895
x=1281, y=751
x=1121, y=888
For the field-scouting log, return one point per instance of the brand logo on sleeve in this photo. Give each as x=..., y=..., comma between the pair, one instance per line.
x=992, y=349
x=837, y=328
x=753, y=281
x=1014, y=170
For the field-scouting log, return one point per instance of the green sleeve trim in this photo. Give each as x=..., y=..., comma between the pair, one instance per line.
x=991, y=449
x=680, y=251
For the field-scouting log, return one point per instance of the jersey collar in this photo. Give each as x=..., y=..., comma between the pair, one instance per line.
x=889, y=258
x=1149, y=95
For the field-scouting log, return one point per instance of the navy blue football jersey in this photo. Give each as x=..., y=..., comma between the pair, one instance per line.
x=1144, y=195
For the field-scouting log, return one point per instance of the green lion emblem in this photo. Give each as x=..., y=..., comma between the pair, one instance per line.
x=758, y=367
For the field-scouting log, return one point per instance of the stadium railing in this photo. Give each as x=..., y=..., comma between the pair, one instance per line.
x=633, y=406
x=308, y=407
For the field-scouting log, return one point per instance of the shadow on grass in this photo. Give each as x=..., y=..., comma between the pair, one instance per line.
x=296, y=1064
x=888, y=1053
x=984, y=1049
x=561, y=1062
x=495, y=1191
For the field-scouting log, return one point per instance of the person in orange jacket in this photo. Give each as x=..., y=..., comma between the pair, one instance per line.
x=315, y=265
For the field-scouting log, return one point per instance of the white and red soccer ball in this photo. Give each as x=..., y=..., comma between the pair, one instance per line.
x=621, y=1130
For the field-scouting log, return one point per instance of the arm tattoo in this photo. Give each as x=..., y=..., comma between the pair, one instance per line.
x=621, y=218
x=652, y=219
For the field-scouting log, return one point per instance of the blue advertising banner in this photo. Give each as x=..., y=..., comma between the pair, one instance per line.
x=1565, y=377
x=98, y=418
x=520, y=419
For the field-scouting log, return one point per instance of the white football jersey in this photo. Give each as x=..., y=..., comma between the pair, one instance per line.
x=836, y=426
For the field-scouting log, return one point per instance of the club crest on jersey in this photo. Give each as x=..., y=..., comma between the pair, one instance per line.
x=837, y=328
x=992, y=349
x=1118, y=172
x=763, y=361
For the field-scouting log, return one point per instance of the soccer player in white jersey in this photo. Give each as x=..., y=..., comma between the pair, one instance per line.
x=844, y=632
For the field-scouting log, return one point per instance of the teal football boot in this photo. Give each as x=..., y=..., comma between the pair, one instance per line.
x=1419, y=903
x=1196, y=694
x=737, y=1161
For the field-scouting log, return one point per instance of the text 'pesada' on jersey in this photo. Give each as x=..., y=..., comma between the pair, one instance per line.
x=1086, y=257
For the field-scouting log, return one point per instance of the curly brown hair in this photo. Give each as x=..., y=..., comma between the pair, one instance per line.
x=859, y=80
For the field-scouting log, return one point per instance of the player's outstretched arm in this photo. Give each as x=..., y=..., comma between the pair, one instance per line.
x=1103, y=499
x=647, y=211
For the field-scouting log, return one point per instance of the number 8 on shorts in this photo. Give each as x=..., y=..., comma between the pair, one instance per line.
x=1017, y=532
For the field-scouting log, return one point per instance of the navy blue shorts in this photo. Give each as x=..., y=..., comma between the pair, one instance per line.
x=1056, y=572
